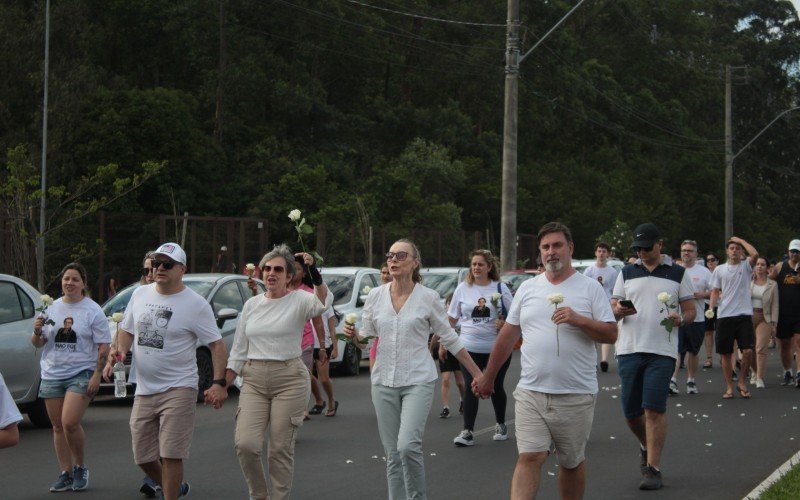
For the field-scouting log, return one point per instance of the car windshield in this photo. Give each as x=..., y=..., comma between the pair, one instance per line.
x=342, y=287
x=444, y=284
x=119, y=302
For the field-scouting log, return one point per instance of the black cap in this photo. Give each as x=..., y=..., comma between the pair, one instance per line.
x=645, y=235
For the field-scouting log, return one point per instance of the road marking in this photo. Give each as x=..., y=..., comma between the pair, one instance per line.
x=487, y=430
x=779, y=473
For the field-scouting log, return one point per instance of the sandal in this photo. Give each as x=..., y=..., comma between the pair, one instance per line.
x=332, y=411
x=317, y=409
x=727, y=395
x=707, y=364
x=744, y=393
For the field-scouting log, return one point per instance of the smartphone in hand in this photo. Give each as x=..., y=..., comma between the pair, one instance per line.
x=628, y=304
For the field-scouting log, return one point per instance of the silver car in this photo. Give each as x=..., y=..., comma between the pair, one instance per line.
x=349, y=286
x=19, y=359
x=226, y=293
x=443, y=279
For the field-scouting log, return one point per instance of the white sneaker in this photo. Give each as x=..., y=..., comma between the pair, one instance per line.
x=673, y=388
x=464, y=439
x=753, y=378
x=759, y=383
x=691, y=388
x=500, y=432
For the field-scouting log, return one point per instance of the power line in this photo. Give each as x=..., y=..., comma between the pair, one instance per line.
x=428, y=18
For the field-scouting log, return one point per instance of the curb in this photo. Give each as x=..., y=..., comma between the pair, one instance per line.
x=774, y=477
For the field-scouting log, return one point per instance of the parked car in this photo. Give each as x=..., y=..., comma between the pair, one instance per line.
x=443, y=279
x=348, y=287
x=226, y=293
x=516, y=277
x=19, y=359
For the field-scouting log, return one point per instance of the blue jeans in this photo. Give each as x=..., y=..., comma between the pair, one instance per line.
x=78, y=383
x=402, y=413
x=645, y=382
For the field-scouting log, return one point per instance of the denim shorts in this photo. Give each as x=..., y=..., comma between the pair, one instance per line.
x=58, y=388
x=645, y=382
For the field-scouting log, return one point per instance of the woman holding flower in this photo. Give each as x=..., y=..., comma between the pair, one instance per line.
x=386, y=277
x=479, y=307
x=402, y=315
x=71, y=364
x=266, y=353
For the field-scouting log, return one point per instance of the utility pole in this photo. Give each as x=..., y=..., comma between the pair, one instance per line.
x=728, y=156
x=508, y=217
x=40, y=237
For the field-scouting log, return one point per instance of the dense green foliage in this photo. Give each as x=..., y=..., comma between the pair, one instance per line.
x=259, y=107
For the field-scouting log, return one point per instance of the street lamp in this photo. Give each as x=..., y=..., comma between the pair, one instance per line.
x=40, y=236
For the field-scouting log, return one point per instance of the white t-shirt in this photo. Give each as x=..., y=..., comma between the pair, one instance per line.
x=69, y=350
x=166, y=330
x=734, y=281
x=701, y=279
x=477, y=317
x=642, y=332
x=606, y=276
x=566, y=363
x=271, y=329
x=9, y=414
x=326, y=316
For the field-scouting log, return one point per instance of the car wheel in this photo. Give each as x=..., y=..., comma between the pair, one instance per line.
x=351, y=360
x=205, y=373
x=37, y=412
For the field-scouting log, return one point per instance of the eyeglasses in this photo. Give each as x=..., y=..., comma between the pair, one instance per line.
x=711, y=259
x=167, y=264
x=146, y=271
x=643, y=249
x=398, y=256
x=688, y=250
x=277, y=269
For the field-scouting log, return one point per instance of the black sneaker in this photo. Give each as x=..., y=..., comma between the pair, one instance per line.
x=604, y=366
x=787, y=378
x=149, y=488
x=651, y=480
x=445, y=413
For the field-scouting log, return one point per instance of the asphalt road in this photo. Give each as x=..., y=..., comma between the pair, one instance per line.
x=715, y=449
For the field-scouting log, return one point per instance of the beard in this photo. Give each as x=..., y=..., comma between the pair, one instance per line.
x=553, y=266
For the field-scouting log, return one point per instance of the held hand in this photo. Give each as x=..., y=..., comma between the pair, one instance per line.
x=216, y=396
x=482, y=387
x=37, y=324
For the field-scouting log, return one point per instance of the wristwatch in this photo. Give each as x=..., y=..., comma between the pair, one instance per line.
x=220, y=381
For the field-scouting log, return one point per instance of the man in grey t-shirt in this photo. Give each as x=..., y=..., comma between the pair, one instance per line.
x=607, y=277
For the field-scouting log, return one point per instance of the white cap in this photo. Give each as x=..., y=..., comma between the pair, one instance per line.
x=223, y=248
x=173, y=251
x=794, y=245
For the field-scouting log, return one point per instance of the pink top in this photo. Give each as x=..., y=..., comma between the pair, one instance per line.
x=308, y=331
x=373, y=351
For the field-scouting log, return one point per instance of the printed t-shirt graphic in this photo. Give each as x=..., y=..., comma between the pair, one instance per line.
x=153, y=326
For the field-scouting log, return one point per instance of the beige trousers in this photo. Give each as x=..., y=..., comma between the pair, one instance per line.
x=273, y=396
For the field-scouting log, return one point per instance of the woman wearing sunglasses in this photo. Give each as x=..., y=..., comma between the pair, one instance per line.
x=266, y=353
x=402, y=315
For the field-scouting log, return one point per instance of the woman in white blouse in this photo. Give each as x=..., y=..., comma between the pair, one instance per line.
x=402, y=314
x=266, y=353
x=764, y=295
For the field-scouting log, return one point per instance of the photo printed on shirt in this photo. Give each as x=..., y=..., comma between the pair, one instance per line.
x=153, y=326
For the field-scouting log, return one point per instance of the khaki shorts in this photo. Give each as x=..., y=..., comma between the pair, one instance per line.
x=561, y=420
x=162, y=424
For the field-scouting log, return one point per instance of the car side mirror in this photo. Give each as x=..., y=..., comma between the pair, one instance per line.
x=362, y=299
x=225, y=314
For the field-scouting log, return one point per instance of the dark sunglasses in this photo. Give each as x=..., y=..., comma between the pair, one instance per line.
x=643, y=249
x=167, y=264
x=398, y=256
x=794, y=251
x=711, y=259
x=277, y=269
x=146, y=271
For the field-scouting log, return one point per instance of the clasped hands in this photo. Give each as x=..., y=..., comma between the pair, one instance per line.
x=216, y=394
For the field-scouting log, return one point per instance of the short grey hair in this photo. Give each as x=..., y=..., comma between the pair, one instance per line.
x=280, y=251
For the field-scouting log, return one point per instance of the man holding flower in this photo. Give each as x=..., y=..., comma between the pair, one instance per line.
x=646, y=298
x=560, y=314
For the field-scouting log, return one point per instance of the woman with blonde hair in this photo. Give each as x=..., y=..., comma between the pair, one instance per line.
x=401, y=315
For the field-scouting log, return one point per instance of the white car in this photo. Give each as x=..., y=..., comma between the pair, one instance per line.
x=349, y=286
x=19, y=359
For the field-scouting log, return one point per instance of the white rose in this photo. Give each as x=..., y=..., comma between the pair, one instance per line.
x=117, y=317
x=496, y=297
x=710, y=314
x=365, y=290
x=294, y=215
x=46, y=300
x=351, y=318
x=664, y=297
x=250, y=267
x=556, y=298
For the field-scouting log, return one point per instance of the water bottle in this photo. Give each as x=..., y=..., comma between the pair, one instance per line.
x=120, y=389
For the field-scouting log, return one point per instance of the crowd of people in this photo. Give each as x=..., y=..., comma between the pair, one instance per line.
x=656, y=313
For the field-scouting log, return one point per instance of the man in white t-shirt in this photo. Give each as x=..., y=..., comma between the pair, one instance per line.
x=165, y=321
x=646, y=298
x=730, y=291
x=606, y=276
x=560, y=315
x=9, y=417
x=690, y=337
